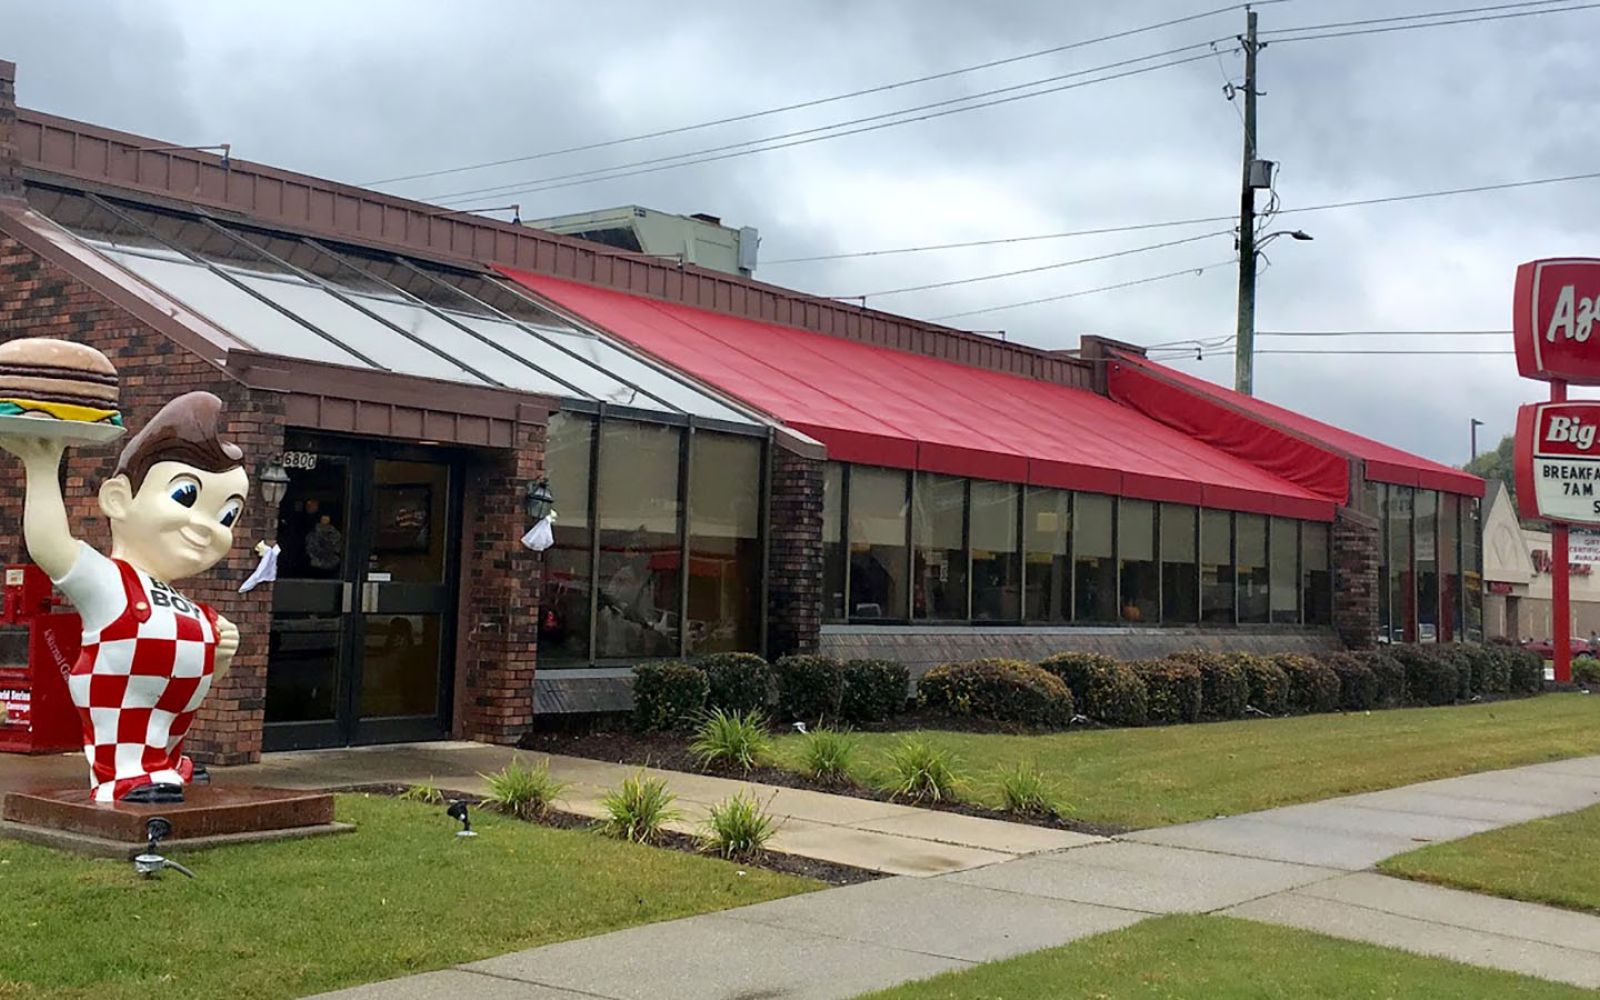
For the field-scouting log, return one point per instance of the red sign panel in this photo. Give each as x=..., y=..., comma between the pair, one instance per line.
x=1558, y=461
x=1556, y=320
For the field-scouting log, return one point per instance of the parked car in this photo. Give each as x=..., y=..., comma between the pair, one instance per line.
x=1581, y=648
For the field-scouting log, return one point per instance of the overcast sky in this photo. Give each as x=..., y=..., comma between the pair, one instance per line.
x=361, y=91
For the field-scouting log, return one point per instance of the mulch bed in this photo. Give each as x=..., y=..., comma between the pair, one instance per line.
x=788, y=864
x=671, y=753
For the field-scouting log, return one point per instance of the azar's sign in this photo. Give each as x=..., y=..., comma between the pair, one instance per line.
x=1558, y=461
x=1556, y=320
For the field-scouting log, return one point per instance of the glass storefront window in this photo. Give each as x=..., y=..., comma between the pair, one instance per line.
x=640, y=541
x=1449, y=568
x=878, y=565
x=1180, y=576
x=1250, y=552
x=1401, y=583
x=1472, y=566
x=996, y=566
x=1136, y=552
x=1284, y=585
x=564, y=605
x=833, y=550
x=1427, y=561
x=1381, y=493
x=1316, y=587
x=1048, y=521
x=1094, y=557
x=725, y=589
x=1216, y=567
x=939, y=534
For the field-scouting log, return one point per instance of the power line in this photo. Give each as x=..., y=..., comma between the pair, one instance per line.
x=1200, y=220
x=1362, y=22
x=1383, y=333
x=1089, y=291
x=1432, y=24
x=817, y=102
x=1033, y=270
x=694, y=157
x=1379, y=350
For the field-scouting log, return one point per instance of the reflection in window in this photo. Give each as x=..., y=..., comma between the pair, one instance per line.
x=878, y=566
x=1426, y=521
x=1381, y=493
x=724, y=544
x=1180, y=577
x=1216, y=567
x=941, y=548
x=1285, y=579
x=1472, y=566
x=1250, y=552
x=564, y=606
x=1316, y=582
x=1136, y=549
x=1094, y=564
x=833, y=553
x=996, y=568
x=1401, y=584
x=639, y=541
x=1048, y=522
x=1449, y=568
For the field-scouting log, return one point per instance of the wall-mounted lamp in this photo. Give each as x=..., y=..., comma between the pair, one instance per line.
x=539, y=500
x=274, y=479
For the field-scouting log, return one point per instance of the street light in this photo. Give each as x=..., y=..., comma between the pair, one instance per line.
x=539, y=500
x=1244, y=360
x=1476, y=423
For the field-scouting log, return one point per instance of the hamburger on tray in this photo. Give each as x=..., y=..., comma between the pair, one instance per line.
x=55, y=388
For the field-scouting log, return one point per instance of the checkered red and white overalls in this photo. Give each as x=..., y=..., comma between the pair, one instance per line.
x=137, y=684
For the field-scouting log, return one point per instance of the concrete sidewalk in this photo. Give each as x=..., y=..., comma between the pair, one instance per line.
x=1298, y=866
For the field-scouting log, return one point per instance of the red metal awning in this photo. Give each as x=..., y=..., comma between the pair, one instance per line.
x=878, y=406
x=1247, y=426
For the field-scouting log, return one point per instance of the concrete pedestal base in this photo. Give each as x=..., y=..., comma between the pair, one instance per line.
x=208, y=817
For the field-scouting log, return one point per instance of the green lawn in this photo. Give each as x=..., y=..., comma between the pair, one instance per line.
x=1194, y=957
x=1545, y=861
x=400, y=895
x=1172, y=774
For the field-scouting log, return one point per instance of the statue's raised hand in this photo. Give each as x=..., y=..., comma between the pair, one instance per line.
x=34, y=451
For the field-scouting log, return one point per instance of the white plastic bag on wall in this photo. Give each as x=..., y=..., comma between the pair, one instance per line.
x=539, y=537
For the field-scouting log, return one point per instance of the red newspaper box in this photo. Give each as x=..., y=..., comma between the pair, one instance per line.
x=38, y=646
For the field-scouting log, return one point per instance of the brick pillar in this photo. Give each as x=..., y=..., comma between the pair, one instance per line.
x=794, y=588
x=1355, y=578
x=500, y=617
x=10, y=158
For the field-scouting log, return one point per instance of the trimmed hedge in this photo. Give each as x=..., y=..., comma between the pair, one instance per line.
x=1173, y=689
x=1102, y=688
x=1269, y=685
x=1479, y=663
x=1391, y=677
x=1525, y=669
x=738, y=682
x=1225, y=690
x=1431, y=677
x=668, y=695
x=810, y=688
x=874, y=690
x=1358, y=685
x=1000, y=690
x=1313, y=686
x=1586, y=671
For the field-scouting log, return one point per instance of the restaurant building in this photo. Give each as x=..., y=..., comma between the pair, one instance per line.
x=735, y=465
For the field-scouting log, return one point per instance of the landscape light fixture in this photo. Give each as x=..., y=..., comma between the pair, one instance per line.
x=274, y=479
x=458, y=812
x=538, y=500
x=150, y=864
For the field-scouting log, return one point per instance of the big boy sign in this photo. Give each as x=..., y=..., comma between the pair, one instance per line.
x=1558, y=461
x=1556, y=320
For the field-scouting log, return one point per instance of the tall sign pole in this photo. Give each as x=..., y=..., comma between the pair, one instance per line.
x=1554, y=325
x=1244, y=344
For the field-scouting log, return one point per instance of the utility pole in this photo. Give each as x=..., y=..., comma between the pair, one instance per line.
x=1244, y=346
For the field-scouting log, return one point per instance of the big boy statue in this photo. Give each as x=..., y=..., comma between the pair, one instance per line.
x=149, y=654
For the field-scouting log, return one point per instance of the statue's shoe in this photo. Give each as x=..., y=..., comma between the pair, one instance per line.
x=155, y=794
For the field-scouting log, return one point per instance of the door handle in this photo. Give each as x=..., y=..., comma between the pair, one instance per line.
x=369, y=598
x=345, y=593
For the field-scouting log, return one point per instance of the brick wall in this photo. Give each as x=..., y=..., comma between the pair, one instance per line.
x=500, y=600
x=1355, y=578
x=794, y=591
x=39, y=300
x=10, y=168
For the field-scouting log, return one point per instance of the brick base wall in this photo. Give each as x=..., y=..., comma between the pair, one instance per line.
x=500, y=596
x=37, y=299
x=794, y=587
x=1355, y=578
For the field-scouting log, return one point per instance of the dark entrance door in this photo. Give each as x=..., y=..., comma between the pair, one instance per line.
x=363, y=623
